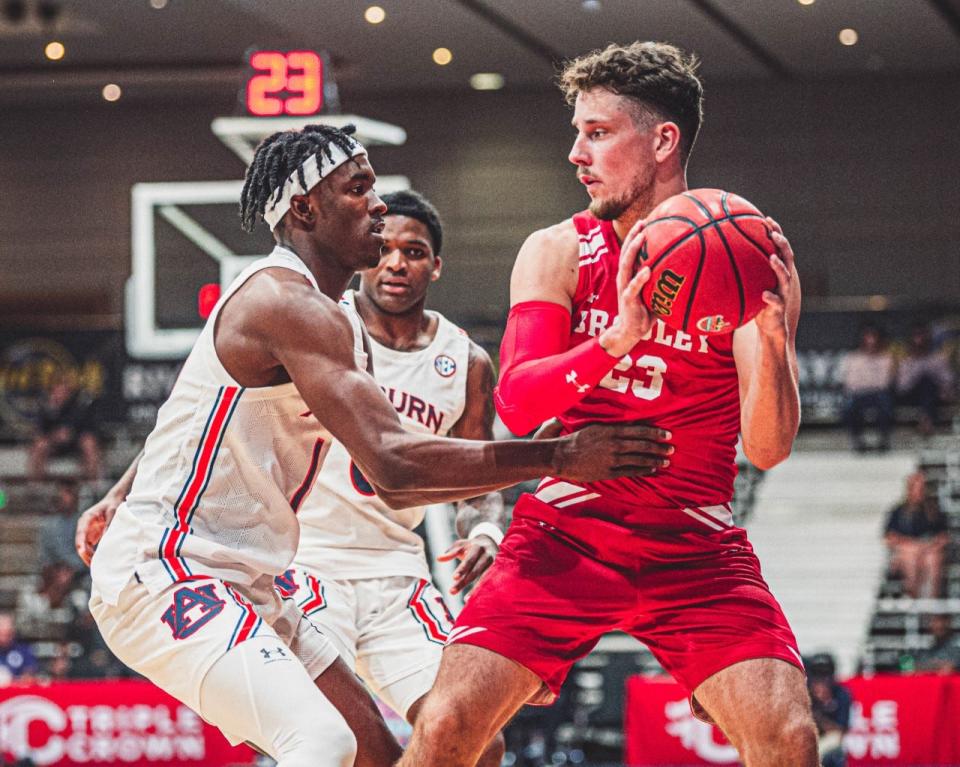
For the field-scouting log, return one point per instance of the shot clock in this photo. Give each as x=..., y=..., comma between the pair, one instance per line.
x=284, y=83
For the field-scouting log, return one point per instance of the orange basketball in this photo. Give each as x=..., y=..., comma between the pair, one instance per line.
x=708, y=253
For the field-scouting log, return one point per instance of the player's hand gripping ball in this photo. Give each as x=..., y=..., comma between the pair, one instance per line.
x=708, y=253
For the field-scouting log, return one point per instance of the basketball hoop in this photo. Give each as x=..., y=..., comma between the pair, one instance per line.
x=176, y=206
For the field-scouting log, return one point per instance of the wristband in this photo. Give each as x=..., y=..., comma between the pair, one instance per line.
x=488, y=529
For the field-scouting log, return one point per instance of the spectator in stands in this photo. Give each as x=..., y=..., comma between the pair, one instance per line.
x=55, y=535
x=82, y=653
x=917, y=536
x=867, y=374
x=830, y=702
x=95, y=660
x=60, y=666
x=943, y=656
x=17, y=661
x=51, y=610
x=66, y=421
x=924, y=378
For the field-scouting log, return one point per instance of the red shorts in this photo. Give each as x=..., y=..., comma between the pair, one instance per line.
x=545, y=602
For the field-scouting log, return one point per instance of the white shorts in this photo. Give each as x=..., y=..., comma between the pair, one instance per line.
x=390, y=630
x=174, y=637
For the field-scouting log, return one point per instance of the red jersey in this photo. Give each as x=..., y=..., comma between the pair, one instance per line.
x=684, y=383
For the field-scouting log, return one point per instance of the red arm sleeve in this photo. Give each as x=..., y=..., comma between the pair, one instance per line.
x=540, y=377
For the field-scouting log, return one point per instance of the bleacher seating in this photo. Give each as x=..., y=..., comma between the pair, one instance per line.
x=898, y=624
x=817, y=531
x=18, y=571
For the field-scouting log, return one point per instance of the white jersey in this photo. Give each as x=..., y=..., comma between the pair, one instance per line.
x=347, y=531
x=222, y=475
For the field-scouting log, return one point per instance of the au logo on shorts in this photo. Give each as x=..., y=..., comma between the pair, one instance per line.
x=445, y=365
x=192, y=609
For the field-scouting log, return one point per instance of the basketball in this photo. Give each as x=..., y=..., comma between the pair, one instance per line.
x=708, y=253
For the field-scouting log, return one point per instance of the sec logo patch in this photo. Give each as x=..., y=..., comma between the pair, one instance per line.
x=444, y=365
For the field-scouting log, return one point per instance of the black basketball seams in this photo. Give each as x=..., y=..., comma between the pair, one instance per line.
x=696, y=229
x=696, y=279
x=700, y=231
x=690, y=221
x=736, y=275
x=699, y=204
x=723, y=202
x=671, y=218
x=747, y=237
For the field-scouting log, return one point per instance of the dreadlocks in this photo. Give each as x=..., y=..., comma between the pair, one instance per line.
x=277, y=157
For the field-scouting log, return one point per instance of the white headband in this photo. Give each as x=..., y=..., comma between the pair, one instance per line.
x=315, y=168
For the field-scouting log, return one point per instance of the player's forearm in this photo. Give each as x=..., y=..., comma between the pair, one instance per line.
x=455, y=469
x=771, y=411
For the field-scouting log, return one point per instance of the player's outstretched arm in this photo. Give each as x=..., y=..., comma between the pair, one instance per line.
x=312, y=340
x=766, y=357
x=540, y=376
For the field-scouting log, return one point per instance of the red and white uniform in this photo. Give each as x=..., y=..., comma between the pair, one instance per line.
x=658, y=556
x=684, y=383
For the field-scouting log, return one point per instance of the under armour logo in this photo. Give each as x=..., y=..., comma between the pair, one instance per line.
x=267, y=653
x=572, y=379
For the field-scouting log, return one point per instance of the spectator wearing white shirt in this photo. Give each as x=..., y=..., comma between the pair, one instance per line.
x=868, y=376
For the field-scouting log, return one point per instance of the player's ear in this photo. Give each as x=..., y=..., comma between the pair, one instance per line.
x=437, y=268
x=667, y=140
x=300, y=207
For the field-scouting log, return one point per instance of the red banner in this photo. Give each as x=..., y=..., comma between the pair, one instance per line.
x=894, y=721
x=904, y=720
x=110, y=722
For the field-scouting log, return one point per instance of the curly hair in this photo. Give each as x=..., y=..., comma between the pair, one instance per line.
x=415, y=205
x=659, y=76
x=278, y=156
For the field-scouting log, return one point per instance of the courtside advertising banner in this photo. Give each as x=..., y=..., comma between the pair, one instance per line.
x=895, y=721
x=108, y=722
